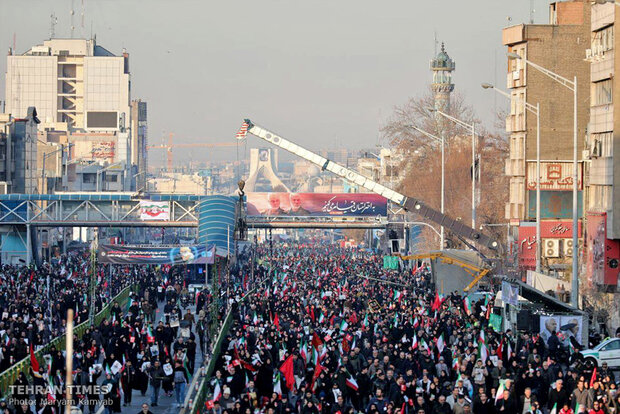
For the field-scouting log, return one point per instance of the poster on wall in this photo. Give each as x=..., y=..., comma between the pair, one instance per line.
x=316, y=204
x=566, y=326
x=154, y=210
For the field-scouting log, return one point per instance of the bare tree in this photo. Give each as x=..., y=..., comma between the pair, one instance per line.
x=421, y=166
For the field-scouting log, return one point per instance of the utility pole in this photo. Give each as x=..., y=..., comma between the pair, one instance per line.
x=93, y=276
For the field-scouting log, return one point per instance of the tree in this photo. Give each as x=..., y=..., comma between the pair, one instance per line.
x=421, y=165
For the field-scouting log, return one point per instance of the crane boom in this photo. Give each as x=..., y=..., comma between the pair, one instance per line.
x=407, y=203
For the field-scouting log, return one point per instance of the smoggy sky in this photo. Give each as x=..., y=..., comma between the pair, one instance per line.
x=325, y=74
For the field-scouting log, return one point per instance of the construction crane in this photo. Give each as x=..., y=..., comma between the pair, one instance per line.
x=169, y=146
x=406, y=203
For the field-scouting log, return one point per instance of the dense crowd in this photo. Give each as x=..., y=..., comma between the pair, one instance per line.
x=34, y=301
x=331, y=331
x=148, y=345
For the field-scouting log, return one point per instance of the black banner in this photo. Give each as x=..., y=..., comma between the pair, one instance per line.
x=119, y=254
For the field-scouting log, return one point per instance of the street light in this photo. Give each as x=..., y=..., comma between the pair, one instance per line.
x=572, y=86
x=443, y=176
x=536, y=111
x=472, y=128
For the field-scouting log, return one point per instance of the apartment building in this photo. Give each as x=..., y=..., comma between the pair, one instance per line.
x=558, y=46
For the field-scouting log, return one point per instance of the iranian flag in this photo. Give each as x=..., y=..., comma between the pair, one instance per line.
x=579, y=409
x=277, y=388
x=554, y=410
x=499, y=395
x=467, y=305
x=414, y=343
x=303, y=351
x=483, y=352
x=255, y=318
x=365, y=323
x=440, y=343
x=455, y=364
x=217, y=391
x=149, y=335
x=321, y=317
x=416, y=323
x=351, y=382
x=396, y=294
x=343, y=325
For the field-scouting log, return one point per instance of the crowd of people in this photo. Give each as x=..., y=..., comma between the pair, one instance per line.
x=34, y=301
x=318, y=329
x=331, y=331
x=146, y=346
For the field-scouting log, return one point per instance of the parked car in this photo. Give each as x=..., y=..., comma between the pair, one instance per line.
x=607, y=351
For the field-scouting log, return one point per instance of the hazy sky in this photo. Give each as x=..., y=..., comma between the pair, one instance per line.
x=324, y=74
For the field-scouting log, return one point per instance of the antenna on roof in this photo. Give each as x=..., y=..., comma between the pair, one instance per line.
x=53, y=21
x=72, y=13
x=532, y=11
x=436, y=42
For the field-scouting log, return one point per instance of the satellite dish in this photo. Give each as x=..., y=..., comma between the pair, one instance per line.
x=509, y=18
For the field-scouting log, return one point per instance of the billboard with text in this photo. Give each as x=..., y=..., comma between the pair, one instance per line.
x=118, y=254
x=316, y=204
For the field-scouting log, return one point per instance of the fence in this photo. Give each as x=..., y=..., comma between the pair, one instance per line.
x=8, y=377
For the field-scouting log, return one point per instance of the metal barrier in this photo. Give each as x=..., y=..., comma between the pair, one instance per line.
x=8, y=377
x=197, y=404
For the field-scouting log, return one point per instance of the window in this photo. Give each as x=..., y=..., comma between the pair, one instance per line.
x=111, y=178
x=612, y=346
x=602, y=92
x=89, y=178
x=603, y=41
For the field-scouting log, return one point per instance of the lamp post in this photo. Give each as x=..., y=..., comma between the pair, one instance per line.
x=572, y=86
x=443, y=175
x=472, y=128
x=534, y=109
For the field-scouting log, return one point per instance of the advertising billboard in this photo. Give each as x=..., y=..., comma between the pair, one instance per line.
x=554, y=204
x=154, y=210
x=554, y=176
x=117, y=254
x=316, y=204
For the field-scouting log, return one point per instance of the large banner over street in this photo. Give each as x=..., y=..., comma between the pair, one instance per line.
x=316, y=204
x=117, y=254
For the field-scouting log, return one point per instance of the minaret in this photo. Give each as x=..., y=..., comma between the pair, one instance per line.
x=442, y=67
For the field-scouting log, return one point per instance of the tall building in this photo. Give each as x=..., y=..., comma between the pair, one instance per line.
x=558, y=46
x=442, y=66
x=603, y=151
x=83, y=90
x=18, y=153
x=74, y=82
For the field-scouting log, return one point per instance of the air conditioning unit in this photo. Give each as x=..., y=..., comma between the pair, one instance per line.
x=3, y=187
x=567, y=245
x=585, y=154
x=551, y=247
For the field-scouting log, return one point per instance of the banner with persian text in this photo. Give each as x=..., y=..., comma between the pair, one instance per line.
x=118, y=254
x=316, y=204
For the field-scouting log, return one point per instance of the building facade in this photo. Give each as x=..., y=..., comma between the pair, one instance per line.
x=18, y=153
x=83, y=92
x=558, y=46
x=603, y=153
